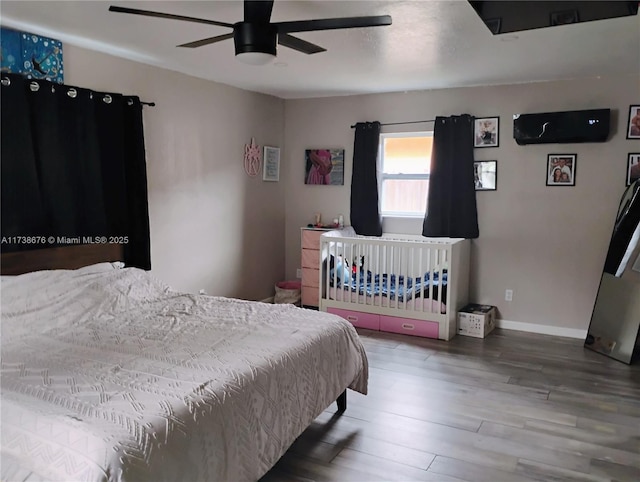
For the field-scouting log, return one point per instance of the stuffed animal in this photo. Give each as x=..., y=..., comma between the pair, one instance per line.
x=339, y=267
x=357, y=263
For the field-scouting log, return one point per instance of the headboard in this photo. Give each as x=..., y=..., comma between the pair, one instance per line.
x=66, y=257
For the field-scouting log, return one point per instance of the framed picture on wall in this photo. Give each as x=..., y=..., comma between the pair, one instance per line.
x=561, y=169
x=485, y=175
x=324, y=166
x=633, y=126
x=633, y=167
x=486, y=132
x=271, y=168
x=34, y=56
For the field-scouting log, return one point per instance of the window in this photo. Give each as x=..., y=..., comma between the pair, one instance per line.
x=405, y=161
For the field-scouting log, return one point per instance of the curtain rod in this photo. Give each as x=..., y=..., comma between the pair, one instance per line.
x=399, y=123
x=35, y=86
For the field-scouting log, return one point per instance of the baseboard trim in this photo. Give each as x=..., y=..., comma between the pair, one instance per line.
x=542, y=329
x=268, y=300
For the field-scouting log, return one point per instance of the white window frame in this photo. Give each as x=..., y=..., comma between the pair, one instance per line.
x=382, y=176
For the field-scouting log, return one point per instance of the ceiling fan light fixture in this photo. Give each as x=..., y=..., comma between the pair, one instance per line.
x=255, y=58
x=255, y=43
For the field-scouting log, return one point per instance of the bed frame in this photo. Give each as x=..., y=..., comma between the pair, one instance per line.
x=401, y=255
x=65, y=257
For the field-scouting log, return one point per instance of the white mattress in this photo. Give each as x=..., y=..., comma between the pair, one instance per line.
x=107, y=374
x=423, y=305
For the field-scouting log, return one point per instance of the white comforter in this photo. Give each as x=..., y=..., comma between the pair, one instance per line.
x=107, y=374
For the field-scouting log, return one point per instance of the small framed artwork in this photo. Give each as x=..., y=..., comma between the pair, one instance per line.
x=633, y=126
x=561, y=169
x=486, y=132
x=633, y=168
x=494, y=25
x=485, y=175
x=324, y=166
x=271, y=167
x=564, y=17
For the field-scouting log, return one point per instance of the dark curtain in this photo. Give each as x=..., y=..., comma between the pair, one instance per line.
x=73, y=165
x=451, y=204
x=365, y=212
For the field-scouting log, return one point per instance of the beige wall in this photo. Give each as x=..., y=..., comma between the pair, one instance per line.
x=212, y=226
x=215, y=228
x=548, y=244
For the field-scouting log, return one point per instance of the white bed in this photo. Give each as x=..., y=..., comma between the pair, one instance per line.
x=107, y=374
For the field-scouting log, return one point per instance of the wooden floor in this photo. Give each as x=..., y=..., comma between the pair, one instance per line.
x=512, y=407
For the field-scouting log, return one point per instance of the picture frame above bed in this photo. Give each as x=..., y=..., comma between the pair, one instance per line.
x=34, y=56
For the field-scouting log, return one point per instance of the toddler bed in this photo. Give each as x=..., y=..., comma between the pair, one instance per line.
x=399, y=283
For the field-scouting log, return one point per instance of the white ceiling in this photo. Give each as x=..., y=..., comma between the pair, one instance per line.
x=431, y=44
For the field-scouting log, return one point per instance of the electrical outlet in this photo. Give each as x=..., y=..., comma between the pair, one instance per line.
x=508, y=295
x=299, y=273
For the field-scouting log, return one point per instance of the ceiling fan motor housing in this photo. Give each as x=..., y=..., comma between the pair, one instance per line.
x=255, y=37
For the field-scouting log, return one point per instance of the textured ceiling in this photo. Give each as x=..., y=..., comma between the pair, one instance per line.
x=431, y=44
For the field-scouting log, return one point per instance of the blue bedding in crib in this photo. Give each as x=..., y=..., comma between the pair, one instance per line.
x=394, y=286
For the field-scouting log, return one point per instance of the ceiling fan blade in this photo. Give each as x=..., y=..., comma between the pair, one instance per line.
x=298, y=44
x=170, y=16
x=207, y=41
x=257, y=11
x=332, y=23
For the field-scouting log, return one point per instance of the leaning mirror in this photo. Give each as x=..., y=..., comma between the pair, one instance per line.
x=615, y=321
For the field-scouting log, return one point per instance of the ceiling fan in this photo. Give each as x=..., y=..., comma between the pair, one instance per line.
x=256, y=36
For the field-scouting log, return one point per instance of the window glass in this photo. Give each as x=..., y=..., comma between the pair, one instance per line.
x=405, y=161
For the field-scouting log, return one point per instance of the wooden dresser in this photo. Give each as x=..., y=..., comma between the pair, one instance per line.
x=310, y=265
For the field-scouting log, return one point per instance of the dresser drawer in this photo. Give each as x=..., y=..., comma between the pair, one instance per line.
x=407, y=326
x=311, y=239
x=311, y=277
x=310, y=296
x=357, y=318
x=310, y=258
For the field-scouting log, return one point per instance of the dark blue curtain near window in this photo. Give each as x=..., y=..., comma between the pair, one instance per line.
x=73, y=164
x=451, y=205
x=365, y=212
